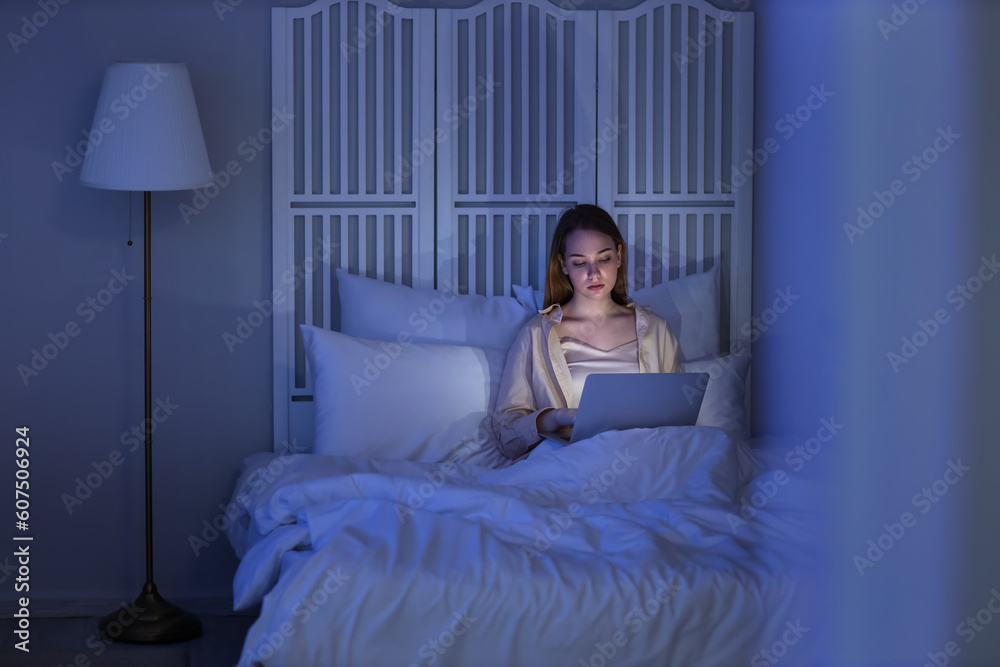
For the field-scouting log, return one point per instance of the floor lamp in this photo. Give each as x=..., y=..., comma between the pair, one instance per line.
x=146, y=136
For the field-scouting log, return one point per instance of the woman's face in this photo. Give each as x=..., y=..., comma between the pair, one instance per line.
x=591, y=261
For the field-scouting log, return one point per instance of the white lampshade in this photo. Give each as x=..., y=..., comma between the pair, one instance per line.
x=146, y=134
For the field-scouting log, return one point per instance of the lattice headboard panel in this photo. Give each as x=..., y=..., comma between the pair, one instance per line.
x=681, y=77
x=516, y=96
x=348, y=183
x=443, y=144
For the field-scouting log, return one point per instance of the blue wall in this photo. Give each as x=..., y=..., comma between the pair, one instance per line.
x=64, y=241
x=826, y=357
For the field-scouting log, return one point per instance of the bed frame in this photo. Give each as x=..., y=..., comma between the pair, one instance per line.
x=442, y=144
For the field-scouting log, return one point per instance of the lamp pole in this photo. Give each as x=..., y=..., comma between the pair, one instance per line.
x=149, y=619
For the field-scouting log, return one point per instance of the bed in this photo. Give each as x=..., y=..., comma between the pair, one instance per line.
x=414, y=197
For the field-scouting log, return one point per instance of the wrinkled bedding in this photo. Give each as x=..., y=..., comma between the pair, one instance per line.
x=627, y=549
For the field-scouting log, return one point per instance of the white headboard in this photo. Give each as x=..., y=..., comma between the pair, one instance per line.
x=646, y=112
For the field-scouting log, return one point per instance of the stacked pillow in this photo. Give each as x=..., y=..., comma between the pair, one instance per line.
x=404, y=400
x=724, y=405
x=690, y=305
x=415, y=372
x=379, y=310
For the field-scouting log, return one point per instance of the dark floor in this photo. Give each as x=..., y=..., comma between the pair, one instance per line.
x=66, y=642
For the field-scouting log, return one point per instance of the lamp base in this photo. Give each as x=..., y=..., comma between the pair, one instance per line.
x=149, y=620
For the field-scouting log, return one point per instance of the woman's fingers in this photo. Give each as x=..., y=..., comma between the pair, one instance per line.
x=567, y=416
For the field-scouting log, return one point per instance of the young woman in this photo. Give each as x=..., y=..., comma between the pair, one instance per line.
x=589, y=325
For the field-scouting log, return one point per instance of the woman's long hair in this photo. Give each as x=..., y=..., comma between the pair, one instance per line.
x=558, y=288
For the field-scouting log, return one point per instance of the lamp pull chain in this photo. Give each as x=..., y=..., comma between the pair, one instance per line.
x=130, y=217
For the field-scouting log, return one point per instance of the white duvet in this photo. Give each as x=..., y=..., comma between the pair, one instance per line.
x=624, y=549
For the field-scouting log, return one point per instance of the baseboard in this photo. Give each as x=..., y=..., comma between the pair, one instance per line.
x=94, y=607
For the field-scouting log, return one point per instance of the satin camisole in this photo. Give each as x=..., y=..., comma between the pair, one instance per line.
x=584, y=359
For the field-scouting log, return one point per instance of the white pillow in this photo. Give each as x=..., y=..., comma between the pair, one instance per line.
x=724, y=403
x=528, y=298
x=377, y=310
x=404, y=400
x=690, y=305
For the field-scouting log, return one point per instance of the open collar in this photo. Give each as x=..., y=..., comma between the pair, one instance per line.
x=553, y=315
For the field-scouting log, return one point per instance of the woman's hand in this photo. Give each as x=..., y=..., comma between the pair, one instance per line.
x=556, y=420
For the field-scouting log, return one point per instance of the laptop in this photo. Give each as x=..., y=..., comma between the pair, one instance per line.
x=619, y=401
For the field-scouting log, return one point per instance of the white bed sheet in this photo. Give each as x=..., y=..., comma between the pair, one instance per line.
x=621, y=549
